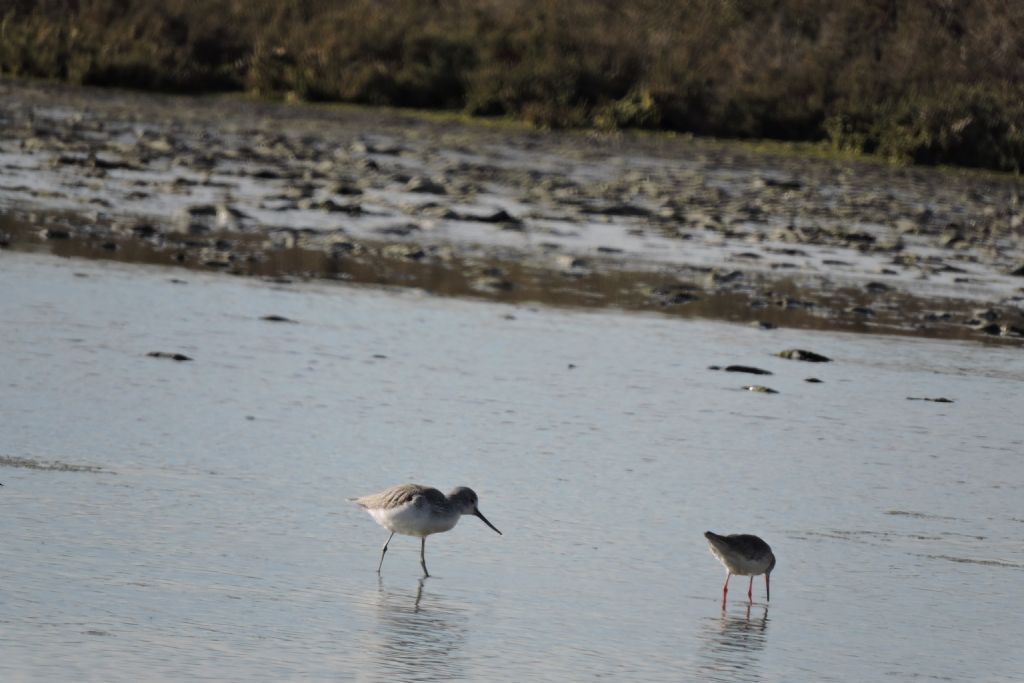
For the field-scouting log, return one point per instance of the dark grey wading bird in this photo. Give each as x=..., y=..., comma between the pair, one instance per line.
x=415, y=510
x=743, y=555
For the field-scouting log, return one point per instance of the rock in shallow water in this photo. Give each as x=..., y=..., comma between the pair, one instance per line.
x=801, y=354
x=747, y=369
x=760, y=389
x=166, y=354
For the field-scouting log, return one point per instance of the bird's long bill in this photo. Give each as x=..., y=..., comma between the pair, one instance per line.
x=481, y=516
x=767, y=588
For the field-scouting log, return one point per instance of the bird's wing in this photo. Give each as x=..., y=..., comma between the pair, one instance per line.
x=748, y=545
x=392, y=497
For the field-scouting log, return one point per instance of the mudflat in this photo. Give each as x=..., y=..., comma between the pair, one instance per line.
x=688, y=227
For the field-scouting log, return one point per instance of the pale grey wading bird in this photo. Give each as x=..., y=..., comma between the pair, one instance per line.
x=744, y=555
x=414, y=510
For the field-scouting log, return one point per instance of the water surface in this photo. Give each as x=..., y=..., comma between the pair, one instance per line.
x=168, y=520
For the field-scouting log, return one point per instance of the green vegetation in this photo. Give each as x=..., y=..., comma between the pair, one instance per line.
x=923, y=81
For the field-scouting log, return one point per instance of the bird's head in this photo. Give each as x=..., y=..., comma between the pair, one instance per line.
x=466, y=501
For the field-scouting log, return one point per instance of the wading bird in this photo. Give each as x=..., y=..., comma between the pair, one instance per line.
x=415, y=510
x=744, y=555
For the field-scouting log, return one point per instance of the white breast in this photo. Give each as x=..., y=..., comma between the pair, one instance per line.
x=415, y=520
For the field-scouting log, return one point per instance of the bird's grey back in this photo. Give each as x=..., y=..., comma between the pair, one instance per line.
x=747, y=545
x=400, y=495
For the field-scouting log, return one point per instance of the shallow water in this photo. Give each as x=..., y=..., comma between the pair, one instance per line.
x=170, y=520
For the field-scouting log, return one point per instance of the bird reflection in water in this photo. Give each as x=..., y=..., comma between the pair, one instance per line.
x=732, y=643
x=418, y=636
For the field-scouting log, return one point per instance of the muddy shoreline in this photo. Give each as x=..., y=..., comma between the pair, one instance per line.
x=639, y=222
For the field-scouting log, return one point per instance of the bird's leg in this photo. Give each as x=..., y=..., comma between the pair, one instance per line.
x=725, y=588
x=382, y=552
x=423, y=559
x=750, y=590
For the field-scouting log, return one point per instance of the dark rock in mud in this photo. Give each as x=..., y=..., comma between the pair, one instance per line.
x=779, y=184
x=760, y=389
x=331, y=206
x=625, y=210
x=857, y=238
x=500, y=216
x=492, y=284
x=786, y=251
x=267, y=174
x=166, y=354
x=362, y=147
x=201, y=210
x=814, y=380
x=57, y=234
x=403, y=251
x=398, y=230
x=804, y=355
x=877, y=287
x=345, y=189
x=865, y=311
x=195, y=220
x=748, y=369
x=424, y=185
x=988, y=328
x=277, y=319
x=672, y=295
x=719, y=278
x=792, y=303
x=345, y=247
x=144, y=230
x=1018, y=271
x=764, y=325
x=933, y=400
x=950, y=239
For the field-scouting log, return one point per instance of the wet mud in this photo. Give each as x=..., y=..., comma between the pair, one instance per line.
x=638, y=222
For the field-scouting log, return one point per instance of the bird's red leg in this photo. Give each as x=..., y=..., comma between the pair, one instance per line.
x=725, y=588
x=750, y=590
